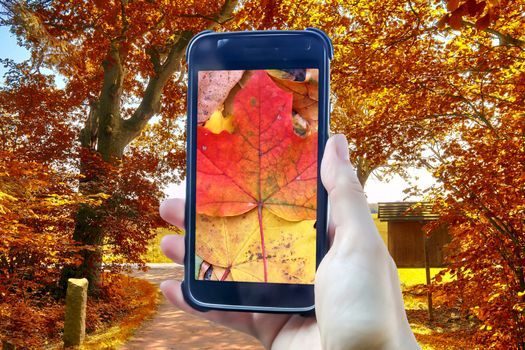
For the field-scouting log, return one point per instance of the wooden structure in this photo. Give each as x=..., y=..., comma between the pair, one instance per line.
x=408, y=244
x=406, y=241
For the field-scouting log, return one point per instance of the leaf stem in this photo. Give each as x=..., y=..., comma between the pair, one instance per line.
x=225, y=274
x=263, y=249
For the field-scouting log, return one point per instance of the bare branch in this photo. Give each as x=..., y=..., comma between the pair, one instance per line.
x=151, y=101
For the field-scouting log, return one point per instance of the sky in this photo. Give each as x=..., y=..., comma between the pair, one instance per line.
x=9, y=49
x=376, y=190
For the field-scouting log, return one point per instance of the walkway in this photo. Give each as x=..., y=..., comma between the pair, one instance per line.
x=172, y=328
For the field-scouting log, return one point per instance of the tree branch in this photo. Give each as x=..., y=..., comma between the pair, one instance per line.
x=110, y=102
x=89, y=133
x=208, y=18
x=504, y=39
x=151, y=102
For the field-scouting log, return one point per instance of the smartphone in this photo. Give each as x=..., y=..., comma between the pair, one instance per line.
x=256, y=211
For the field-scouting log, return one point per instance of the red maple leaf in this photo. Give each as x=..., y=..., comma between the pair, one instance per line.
x=262, y=163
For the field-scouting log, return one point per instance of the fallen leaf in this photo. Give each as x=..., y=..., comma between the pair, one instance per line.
x=305, y=97
x=214, y=87
x=232, y=246
x=289, y=74
x=217, y=123
x=261, y=169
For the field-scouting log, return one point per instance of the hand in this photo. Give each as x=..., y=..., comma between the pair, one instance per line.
x=358, y=300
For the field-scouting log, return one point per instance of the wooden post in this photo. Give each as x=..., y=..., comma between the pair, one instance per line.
x=427, y=270
x=75, y=319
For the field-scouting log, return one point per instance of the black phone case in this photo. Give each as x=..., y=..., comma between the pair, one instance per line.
x=323, y=117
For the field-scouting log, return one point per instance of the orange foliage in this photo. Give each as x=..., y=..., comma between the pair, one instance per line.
x=38, y=321
x=406, y=90
x=485, y=215
x=484, y=12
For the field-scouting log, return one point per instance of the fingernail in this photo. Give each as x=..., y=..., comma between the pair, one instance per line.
x=341, y=147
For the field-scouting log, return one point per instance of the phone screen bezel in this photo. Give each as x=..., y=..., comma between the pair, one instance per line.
x=250, y=51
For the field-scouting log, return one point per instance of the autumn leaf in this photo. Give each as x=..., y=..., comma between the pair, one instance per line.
x=218, y=123
x=262, y=163
x=214, y=87
x=455, y=21
x=442, y=23
x=305, y=96
x=483, y=23
x=263, y=168
x=231, y=247
x=452, y=5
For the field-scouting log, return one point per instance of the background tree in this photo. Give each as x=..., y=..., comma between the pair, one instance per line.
x=124, y=57
x=37, y=199
x=481, y=167
x=414, y=82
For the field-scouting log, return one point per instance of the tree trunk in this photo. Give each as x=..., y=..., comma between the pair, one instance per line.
x=107, y=134
x=363, y=169
x=103, y=131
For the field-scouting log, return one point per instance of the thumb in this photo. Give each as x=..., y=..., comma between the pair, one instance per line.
x=346, y=195
x=349, y=213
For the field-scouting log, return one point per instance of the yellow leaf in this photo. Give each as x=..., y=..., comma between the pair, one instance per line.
x=518, y=307
x=494, y=296
x=4, y=210
x=217, y=123
x=234, y=244
x=5, y=196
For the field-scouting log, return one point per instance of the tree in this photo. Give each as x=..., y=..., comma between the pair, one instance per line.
x=107, y=38
x=37, y=202
x=124, y=67
x=481, y=168
x=433, y=84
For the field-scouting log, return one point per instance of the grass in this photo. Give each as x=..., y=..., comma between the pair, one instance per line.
x=413, y=276
x=154, y=254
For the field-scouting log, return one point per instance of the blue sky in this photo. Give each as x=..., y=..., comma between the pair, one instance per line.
x=9, y=49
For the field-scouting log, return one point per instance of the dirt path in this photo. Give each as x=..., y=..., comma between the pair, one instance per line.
x=172, y=328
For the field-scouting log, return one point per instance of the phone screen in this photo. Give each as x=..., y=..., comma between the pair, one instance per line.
x=256, y=181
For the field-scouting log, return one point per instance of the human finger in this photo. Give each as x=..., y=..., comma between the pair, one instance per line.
x=173, y=247
x=349, y=212
x=340, y=180
x=172, y=211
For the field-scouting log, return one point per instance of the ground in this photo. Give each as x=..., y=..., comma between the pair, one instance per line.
x=171, y=328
